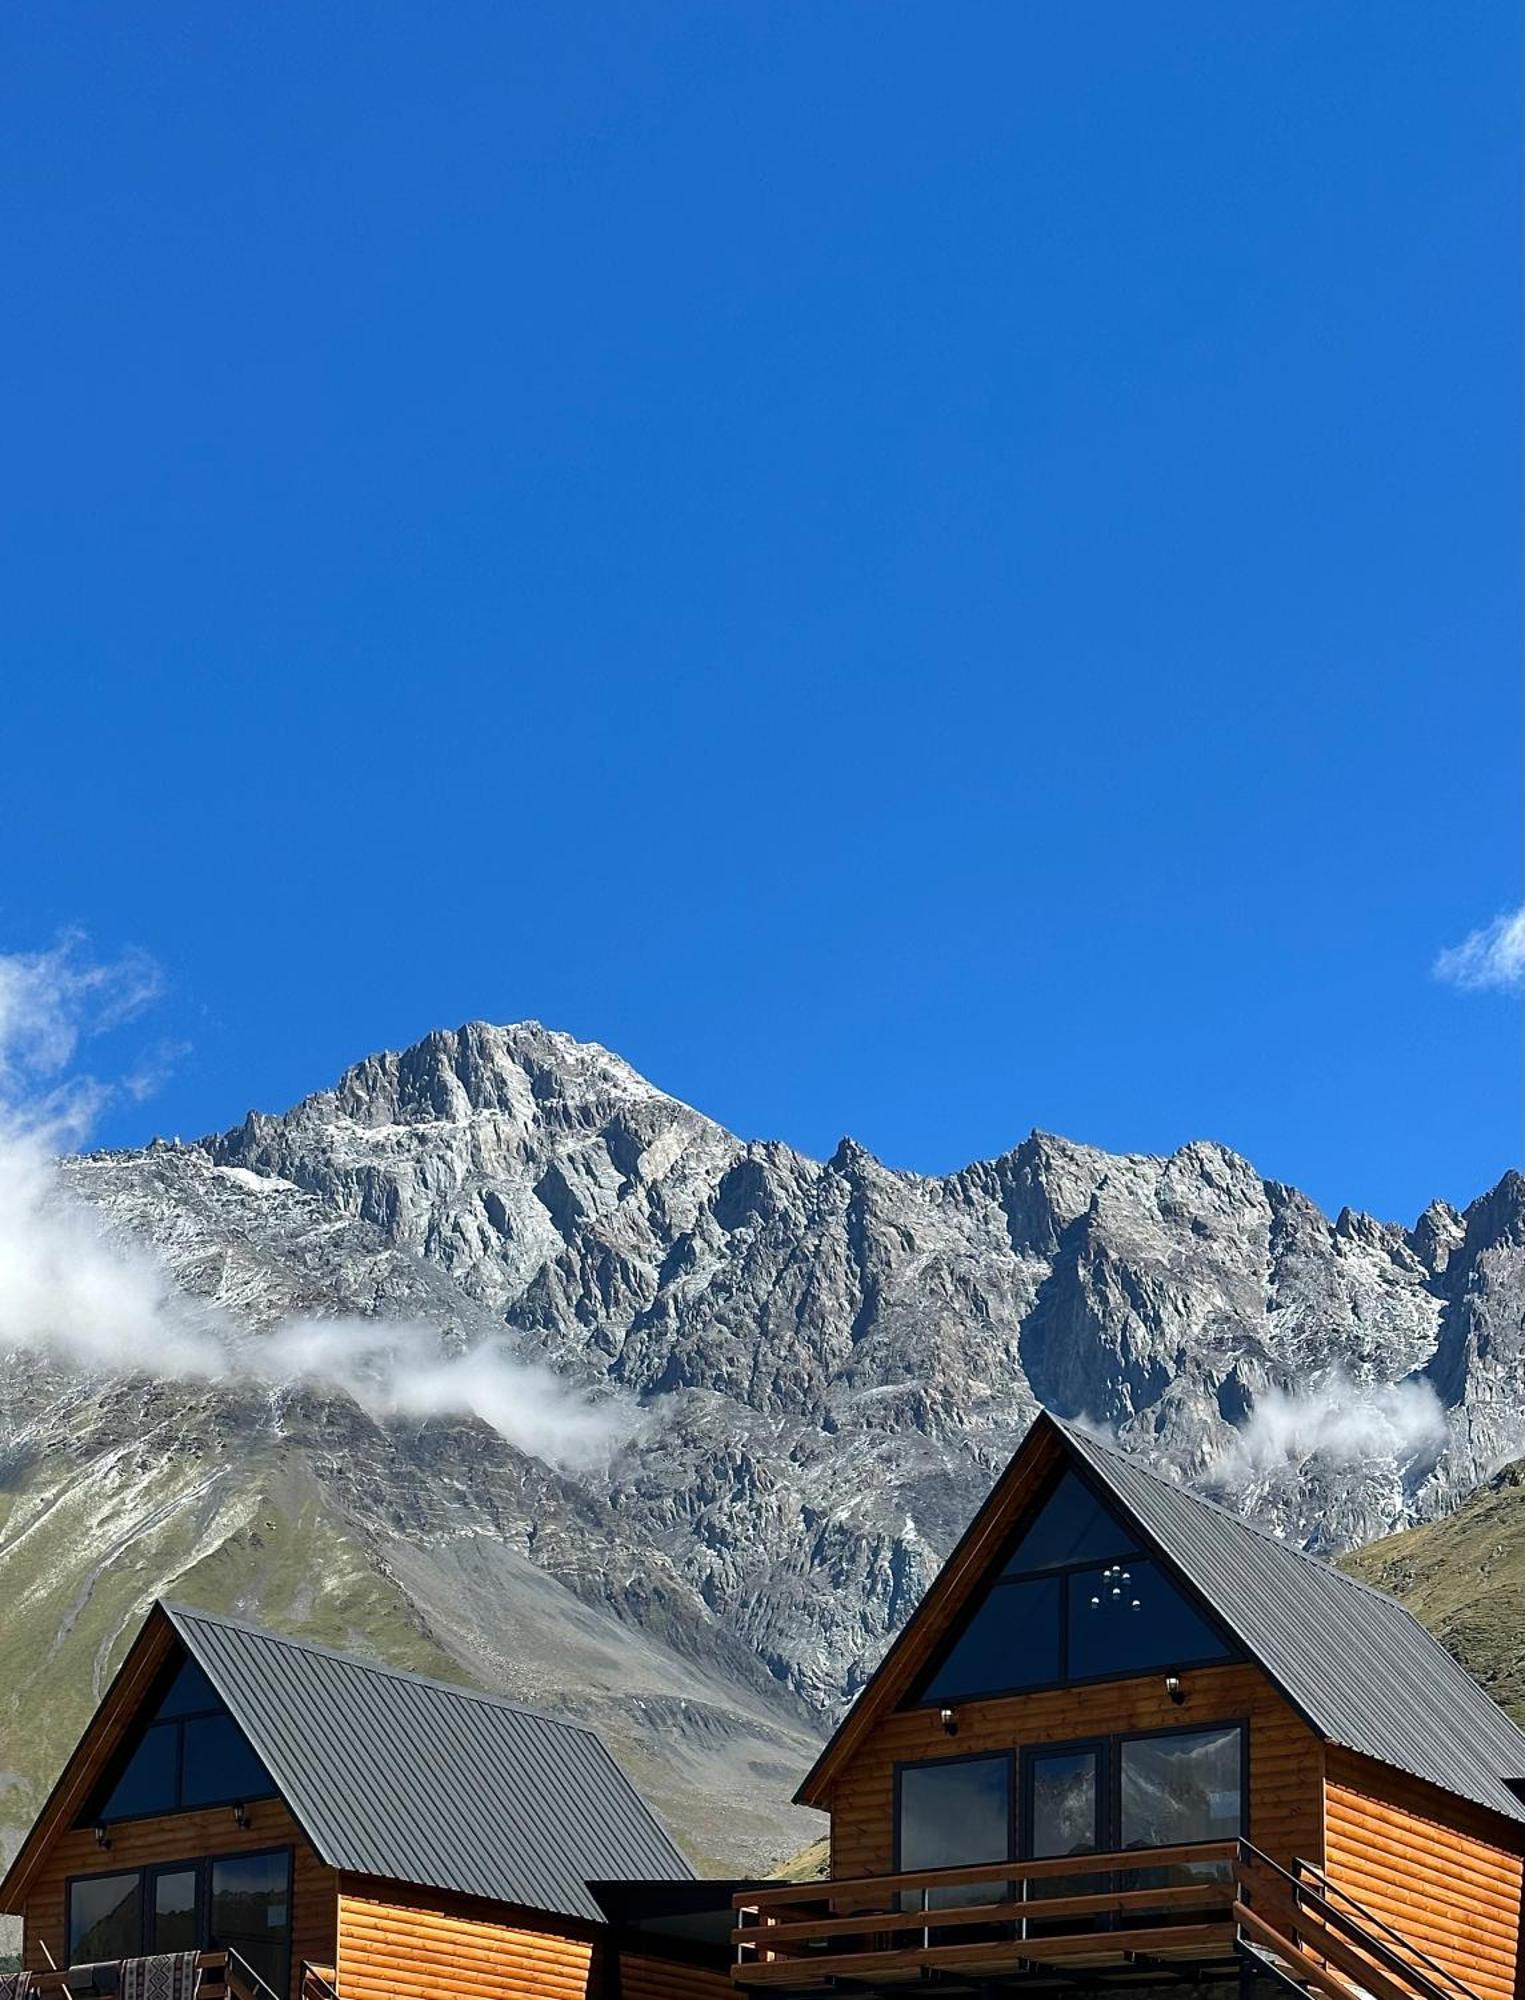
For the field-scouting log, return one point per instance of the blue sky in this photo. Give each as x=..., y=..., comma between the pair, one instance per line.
x=917, y=570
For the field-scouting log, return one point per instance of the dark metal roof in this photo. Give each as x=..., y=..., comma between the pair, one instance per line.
x=1364, y=1672
x=393, y=1775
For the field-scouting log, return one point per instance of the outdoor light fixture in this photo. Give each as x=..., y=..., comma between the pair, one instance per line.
x=949, y=1722
x=240, y=1814
x=102, y=1837
x=1174, y=1689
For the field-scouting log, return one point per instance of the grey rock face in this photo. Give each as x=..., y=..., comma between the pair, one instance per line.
x=833, y=1359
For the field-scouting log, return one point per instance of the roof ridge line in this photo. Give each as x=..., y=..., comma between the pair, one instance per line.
x=175, y=1610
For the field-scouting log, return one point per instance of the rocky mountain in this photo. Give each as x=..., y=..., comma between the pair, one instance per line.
x=807, y=1373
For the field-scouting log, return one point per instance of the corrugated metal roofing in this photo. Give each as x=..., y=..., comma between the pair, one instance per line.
x=1365, y=1673
x=414, y=1780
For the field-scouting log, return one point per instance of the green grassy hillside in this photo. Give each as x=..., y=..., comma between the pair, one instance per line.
x=1464, y=1577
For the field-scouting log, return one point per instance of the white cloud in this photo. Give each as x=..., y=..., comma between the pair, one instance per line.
x=70, y=1289
x=1491, y=957
x=1339, y=1422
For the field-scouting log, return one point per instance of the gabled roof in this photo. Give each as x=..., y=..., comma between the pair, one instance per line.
x=413, y=1780
x=1363, y=1672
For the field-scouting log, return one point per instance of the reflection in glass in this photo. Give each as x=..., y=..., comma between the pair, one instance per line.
x=251, y=1913
x=1177, y=1789
x=103, y=1917
x=1062, y=1800
x=174, y=1910
x=1127, y=1619
x=952, y=1812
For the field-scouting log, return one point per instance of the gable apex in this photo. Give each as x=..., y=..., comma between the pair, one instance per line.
x=1357, y=1666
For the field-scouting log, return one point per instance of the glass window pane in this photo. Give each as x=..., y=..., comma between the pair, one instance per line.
x=1063, y=1797
x=190, y=1692
x=251, y=1912
x=174, y=1910
x=219, y=1765
x=1064, y=1804
x=1127, y=1618
x=148, y=1784
x=1012, y=1641
x=104, y=1918
x=1181, y=1788
x=1072, y=1526
x=957, y=1810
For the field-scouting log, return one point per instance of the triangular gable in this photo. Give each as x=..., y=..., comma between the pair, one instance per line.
x=137, y=1681
x=987, y=1546
x=183, y=1750
x=1077, y=1599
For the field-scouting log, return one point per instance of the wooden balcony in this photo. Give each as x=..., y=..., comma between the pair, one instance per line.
x=214, y=1983
x=994, y=1922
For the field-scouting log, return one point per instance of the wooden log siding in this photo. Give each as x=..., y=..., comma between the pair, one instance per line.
x=1286, y=1758
x=185, y=1836
x=642, y=1978
x=397, y=1943
x=1450, y=1876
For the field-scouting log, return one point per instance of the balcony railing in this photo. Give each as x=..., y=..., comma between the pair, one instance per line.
x=997, y=1918
x=218, y=1980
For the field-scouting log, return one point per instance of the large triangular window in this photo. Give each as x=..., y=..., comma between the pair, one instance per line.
x=1075, y=1599
x=184, y=1751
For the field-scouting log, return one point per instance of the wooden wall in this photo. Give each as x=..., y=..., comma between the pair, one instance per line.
x=1447, y=1874
x=1286, y=1758
x=643, y=1978
x=186, y=1836
x=405, y=1944
x=412, y=1944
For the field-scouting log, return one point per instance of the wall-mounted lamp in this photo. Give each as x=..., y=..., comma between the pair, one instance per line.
x=102, y=1837
x=1174, y=1689
x=240, y=1814
x=949, y=1721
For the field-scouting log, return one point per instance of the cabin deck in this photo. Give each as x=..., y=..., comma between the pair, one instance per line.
x=1221, y=1910
x=1012, y=1920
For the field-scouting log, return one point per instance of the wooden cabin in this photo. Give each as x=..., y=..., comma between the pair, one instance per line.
x=1129, y=1738
x=314, y=1825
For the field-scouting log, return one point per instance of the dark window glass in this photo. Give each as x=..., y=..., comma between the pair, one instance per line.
x=251, y=1913
x=219, y=1764
x=1012, y=1641
x=190, y=1693
x=952, y=1812
x=1181, y=1788
x=190, y=1753
x=1071, y=1527
x=148, y=1783
x=172, y=1910
x=1126, y=1618
x=1065, y=1795
x=1064, y=1806
x=104, y=1913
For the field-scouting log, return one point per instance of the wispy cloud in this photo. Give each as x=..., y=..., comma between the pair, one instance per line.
x=1337, y=1421
x=106, y=1305
x=1491, y=957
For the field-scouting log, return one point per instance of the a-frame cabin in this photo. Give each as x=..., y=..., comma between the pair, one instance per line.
x=1129, y=1738
x=250, y=1818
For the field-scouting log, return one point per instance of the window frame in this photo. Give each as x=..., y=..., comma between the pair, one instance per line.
x=1009, y=1757
x=996, y=1579
x=201, y=1865
x=1110, y=1778
x=117, y=1766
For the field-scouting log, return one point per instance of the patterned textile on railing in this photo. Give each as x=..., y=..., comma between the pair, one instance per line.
x=15, y=1985
x=166, y=1975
